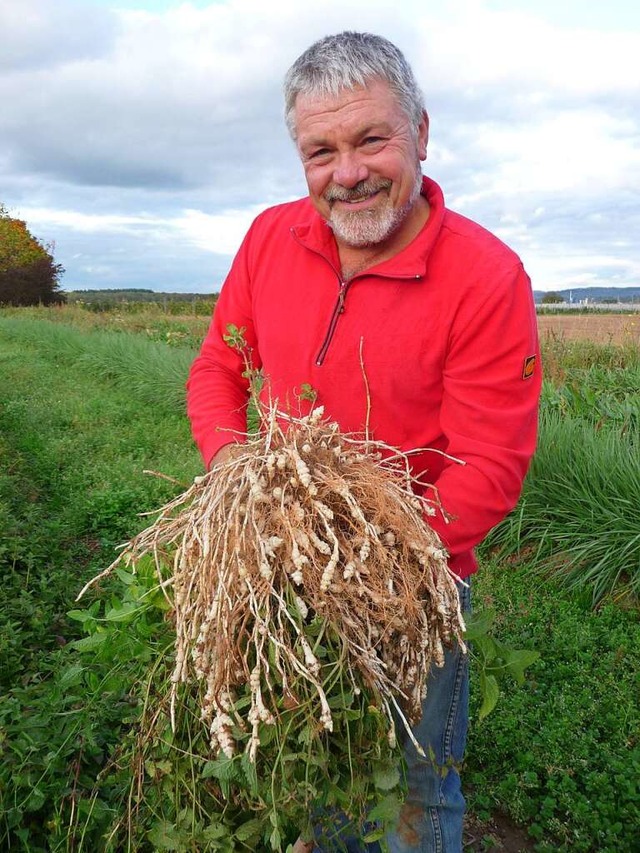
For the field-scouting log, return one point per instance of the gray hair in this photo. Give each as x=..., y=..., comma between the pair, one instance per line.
x=348, y=60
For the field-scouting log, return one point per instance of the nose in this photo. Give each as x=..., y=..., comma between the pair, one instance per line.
x=349, y=170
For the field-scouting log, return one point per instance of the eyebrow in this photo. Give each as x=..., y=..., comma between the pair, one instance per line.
x=379, y=128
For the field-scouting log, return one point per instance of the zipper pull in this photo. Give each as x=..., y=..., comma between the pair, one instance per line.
x=341, y=296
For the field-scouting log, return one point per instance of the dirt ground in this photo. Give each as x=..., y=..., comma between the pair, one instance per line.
x=599, y=328
x=498, y=835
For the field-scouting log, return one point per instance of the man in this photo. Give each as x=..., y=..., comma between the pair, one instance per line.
x=372, y=267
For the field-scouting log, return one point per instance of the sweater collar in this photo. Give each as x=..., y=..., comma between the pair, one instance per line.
x=316, y=235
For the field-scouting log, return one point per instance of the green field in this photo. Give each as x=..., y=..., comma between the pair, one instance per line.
x=90, y=401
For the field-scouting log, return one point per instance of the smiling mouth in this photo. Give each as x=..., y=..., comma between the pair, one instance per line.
x=359, y=194
x=361, y=198
x=354, y=201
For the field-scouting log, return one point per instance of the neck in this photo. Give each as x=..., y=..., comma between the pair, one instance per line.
x=356, y=259
x=352, y=264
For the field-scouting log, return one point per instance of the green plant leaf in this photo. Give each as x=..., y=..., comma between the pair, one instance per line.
x=124, y=612
x=80, y=615
x=35, y=800
x=250, y=773
x=478, y=623
x=222, y=768
x=487, y=648
x=72, y=675
x=90, y=644
x=214, y=832
x=275, y=839
x=517, y=660
x=490, y=693
x=387, y=810
x=126, y=577
x=386, y=778
x=165, y=836
x=252, y=828
x=374, y=835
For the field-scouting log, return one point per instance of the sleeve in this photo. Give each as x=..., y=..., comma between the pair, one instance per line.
x=489, y=415
x=217, y=389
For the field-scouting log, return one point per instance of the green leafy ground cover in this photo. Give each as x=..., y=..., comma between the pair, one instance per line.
x=560, y=755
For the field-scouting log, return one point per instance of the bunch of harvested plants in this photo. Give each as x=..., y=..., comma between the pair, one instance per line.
x=301, y=563
x=303, y=521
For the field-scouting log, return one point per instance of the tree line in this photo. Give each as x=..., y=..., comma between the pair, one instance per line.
x=29, y=274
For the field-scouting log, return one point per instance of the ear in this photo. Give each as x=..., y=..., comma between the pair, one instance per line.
x=423, y=135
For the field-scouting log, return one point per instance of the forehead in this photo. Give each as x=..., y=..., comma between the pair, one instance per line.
x=373, y=104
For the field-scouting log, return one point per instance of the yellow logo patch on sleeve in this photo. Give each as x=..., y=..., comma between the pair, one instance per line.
x=529, y=366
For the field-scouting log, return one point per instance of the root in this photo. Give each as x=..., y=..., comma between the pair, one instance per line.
x=302, y=524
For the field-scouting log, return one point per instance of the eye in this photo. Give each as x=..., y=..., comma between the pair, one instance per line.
x=318, y=154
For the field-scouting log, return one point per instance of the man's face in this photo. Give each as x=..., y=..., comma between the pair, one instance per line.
x=361, y=157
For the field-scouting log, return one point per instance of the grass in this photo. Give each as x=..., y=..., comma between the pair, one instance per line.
x=568, y=360
x=86, y=406
x=74, y=451
x=151, y=372
x=151, y=322
x=71, y=486
x=578, y=520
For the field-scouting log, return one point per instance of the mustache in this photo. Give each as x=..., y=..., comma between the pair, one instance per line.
x=361, y=190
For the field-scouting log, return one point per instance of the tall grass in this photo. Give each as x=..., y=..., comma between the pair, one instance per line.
x=579, y=515
x=578, y=520
x=154, y=372
x=149, y=321
x=599, y=397
x=566, y=360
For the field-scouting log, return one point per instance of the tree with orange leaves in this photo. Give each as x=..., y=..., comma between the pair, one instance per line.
x=28, y=273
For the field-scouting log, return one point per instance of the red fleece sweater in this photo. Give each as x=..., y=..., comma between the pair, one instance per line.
x=449, y=342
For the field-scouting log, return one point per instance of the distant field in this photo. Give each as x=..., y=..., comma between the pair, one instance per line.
x=599, y=328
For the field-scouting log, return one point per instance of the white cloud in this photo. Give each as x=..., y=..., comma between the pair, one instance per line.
x=472, y=46
x=85, y=222
x=219, y=233
x=559, y=271
x=38, y=34
x=164, y=129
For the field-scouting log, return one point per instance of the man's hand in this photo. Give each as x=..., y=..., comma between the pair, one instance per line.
x=221, y=456
x=302, y=846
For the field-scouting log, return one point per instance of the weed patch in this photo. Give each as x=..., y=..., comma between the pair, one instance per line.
x=563, y=753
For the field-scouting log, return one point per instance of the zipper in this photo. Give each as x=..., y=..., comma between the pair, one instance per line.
x=344, y=286
x=338, y=307
x=333, y=322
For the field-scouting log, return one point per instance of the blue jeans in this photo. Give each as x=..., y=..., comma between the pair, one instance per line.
x=432, y=815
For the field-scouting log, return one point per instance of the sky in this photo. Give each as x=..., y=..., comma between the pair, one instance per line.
x=141, y=137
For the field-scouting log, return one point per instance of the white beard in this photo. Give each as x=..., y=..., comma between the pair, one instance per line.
x=360, y=228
